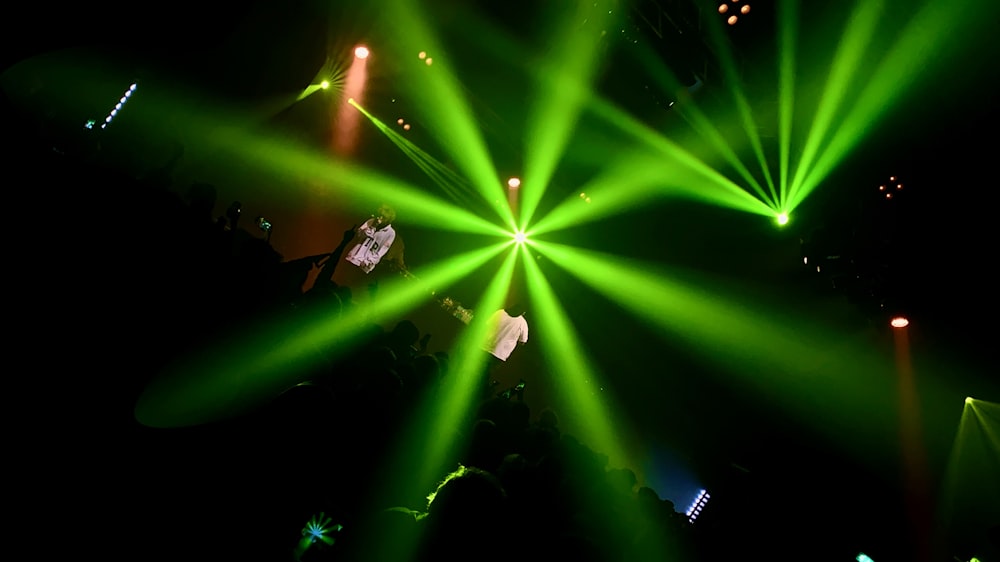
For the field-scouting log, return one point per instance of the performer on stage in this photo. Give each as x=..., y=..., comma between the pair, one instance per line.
x=375, y=237
x=372, y=241
x=507, y=329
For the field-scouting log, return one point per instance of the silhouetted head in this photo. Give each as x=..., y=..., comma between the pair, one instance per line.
x=404, y=334
x=468, y=500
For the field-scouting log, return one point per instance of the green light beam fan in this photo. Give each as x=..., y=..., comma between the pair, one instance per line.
x=785, y=359
x=563, y=79
x=432, y=436
x=628, y=182
x=439, y=98
x=699, y=122
x=787, y=28
x=701, y=182
x=852, y=50
x=317, y=534
x=732, y=78
x=469, y=361
x=363, y=187
x=569, y=366
x=929, y=33
x=452, y=184
x=970, y=494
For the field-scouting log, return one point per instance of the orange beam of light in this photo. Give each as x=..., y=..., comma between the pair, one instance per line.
x=347, y=126
x=914, y=459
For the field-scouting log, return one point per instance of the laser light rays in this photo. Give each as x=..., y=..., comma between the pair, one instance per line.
x=785, y=358
x=563, y=83
x=859, y=32
x=448, y=180
x=429, y=441
x=352, y=183
x=439, y=95
x=700, y=180
x=569, y=366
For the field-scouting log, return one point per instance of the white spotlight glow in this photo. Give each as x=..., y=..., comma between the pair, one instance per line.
x=361, y=52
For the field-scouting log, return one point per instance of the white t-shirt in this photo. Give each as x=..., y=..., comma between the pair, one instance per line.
x=367, y=254
x=506, y=332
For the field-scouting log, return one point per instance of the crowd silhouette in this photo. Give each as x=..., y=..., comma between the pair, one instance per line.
x=174, y=270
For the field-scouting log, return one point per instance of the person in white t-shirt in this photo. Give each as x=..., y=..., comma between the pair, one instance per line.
x=507, y=329
x=372, y=241
x=375, y=237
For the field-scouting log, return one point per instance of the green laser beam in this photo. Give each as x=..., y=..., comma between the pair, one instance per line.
x=784, y=358
x=704, y=182
x=427, y=442
x=441, y=102
x=692, y=114
x=928, y=33
x=851, y=51
x=787, y=28
x=627, y=183
x=569, y=366
x=450, y=182
x=732, y=79
x=563, y=82
x=358, y=183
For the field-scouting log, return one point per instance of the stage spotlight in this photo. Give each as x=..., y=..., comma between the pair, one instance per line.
x=324, y=84
x=782, y=219
x=520, y=237
x=899, y=322
x=732, y=19
x=361, y=52
x=514, y=183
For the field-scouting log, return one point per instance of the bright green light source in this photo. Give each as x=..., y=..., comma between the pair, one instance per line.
x=324, y=84
x=317, y=531
x=968, y=400
x=862, y=557
x=520, y=237
x=782, y=219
